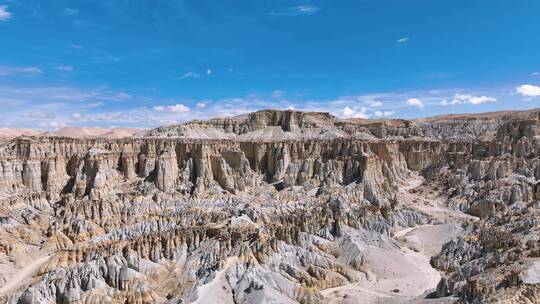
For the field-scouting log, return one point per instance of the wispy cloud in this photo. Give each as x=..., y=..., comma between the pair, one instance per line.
x=94, y=105
x=65, y=68
x=403, y=40
x=415, y=102
x=8, y=70
x=40, y=115
x=50, y=107
x=191, y=75
x=96, y=117
x=55, y=107
x=4, y=14
x=374, y=103
x=468, y=99
x=277, y=93
x=297, y=10
x=104, y=56
x=62, y=94
x=77, y=116
x=70, y=12
x=52, y=124
x=120, y=96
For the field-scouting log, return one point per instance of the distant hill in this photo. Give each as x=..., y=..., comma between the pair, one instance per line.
x=8, y=133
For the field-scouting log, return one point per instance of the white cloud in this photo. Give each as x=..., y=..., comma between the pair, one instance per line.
x=75, y=46
x=528, y=90
x=4, y=14
x=403, y=40
x=353, y=112
x=478, y=99
x=200, y=105
x=65, y=68
x=383, y=113
x=468, y=99
x=190, y=75
x=7, y=71
x=415, y=102
x=297, y=11
x=535, y=73
x=177, y=108
x=208, y=72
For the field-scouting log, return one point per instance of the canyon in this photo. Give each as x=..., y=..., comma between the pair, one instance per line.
x=276, y=207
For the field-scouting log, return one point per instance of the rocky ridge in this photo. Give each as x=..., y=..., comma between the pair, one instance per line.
x=274, y=125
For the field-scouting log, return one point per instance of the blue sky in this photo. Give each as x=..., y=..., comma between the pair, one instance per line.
x=146, y=63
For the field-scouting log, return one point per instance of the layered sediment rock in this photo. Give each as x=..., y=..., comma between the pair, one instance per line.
x=163, y=217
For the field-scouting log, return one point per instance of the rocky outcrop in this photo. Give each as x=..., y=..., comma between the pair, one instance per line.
x=493, y=258
x=166, y=170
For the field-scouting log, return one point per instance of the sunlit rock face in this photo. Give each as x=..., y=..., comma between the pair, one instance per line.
x=270, y=207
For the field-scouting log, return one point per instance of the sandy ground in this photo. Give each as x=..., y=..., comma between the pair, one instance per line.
x=414, y=194
x=395, y=273
x=23, y=275
x=428, y=239
x=532, y=274
x=218, y=290
x=404, y=274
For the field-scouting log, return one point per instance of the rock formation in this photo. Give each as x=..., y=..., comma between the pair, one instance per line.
x=273, y=207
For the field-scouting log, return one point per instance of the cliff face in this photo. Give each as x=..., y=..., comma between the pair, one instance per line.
x=59, y=165
x=158, y=219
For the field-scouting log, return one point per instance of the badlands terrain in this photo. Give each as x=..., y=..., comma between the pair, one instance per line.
x=276, y=207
